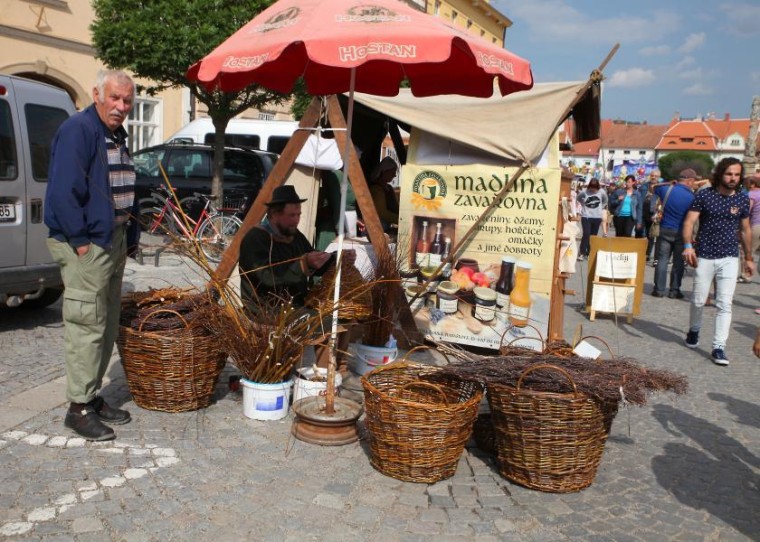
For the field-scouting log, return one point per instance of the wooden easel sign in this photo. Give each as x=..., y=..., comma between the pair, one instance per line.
x=616, y=276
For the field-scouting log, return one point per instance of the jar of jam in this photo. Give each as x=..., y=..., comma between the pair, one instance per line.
x=485, y=304
x=446, y=299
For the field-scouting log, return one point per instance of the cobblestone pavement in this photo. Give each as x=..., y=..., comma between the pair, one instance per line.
x=681, y=468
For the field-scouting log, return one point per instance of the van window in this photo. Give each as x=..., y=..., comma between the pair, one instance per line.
x=42, y=123
x=8, y=156
x=277, y=143
x=236, y=140
x=242, y=166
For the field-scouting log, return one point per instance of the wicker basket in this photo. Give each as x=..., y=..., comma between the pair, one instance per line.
x=174, y=370
x=418, y=421
x=548, y=441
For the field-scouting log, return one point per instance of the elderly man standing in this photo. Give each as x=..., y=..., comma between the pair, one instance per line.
x=676, y=200
x=722, y=210
x=88, y=206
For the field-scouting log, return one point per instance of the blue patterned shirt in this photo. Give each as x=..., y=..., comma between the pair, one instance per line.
x=719, y=220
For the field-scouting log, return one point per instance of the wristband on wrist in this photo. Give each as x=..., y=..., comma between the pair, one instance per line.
x=687, y=245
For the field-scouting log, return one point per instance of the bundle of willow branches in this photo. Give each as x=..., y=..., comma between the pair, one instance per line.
x=164, y=309
x=385, y=290
x=615, y=380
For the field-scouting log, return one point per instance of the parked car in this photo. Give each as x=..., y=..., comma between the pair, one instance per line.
x=30, y=114
x=269, y=135
x=188, y=167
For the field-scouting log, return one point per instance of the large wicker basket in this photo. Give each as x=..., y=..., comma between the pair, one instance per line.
x=548, y=441
x=418, y=421
x=173, y=370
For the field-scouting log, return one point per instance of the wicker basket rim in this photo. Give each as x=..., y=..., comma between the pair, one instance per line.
x=371, y=388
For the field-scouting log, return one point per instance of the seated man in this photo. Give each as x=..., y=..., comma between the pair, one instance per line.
x=276, y=259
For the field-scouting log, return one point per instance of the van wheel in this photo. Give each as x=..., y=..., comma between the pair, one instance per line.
x=48, y=297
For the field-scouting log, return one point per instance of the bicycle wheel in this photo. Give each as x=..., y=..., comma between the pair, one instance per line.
x=154, y=219
x=216, y=233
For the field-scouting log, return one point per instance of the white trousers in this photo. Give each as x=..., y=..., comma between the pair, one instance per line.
x=724, y=271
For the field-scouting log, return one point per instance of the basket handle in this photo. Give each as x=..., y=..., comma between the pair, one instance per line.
x=422, y=384
x=425, y=347
x=510, y=326
x=605, y=343
x=546, y=366
x=178, y=315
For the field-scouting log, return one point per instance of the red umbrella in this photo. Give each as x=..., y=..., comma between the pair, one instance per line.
x=365, y=45
x=386, y=42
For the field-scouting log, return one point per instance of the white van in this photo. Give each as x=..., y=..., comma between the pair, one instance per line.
x=265, y=135
x=30, y=114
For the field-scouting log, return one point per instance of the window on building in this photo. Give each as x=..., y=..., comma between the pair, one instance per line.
x=263, y=115
x=735, y=142
x=642, y=153
x=612, y=151
x=687, y=139
x=454, y=15
x=437, y=7
x=626, y=152
x=482, y=33
x=494, y=40
x=144, y=124
x=469, y=23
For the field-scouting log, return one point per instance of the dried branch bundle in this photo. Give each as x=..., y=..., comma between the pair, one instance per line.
x=164, y=309
x=613, y=380
x=385, y=289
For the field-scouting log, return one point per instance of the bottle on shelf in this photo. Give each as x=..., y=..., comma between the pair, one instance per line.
x=422, y=251
x=505, y=283
x=446, y=271
x=519, y=298
x=436, y=249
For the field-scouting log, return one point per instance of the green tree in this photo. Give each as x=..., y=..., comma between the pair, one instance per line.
x=672, y=163
x=159, y=40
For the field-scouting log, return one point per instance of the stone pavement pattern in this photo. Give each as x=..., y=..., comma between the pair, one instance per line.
x=685, y=468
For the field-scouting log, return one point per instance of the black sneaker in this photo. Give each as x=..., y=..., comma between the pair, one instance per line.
x=678, y=294
x=719, y=357
x=655, y=293
x=692, y=339
x=109, y=414
x=85, y=423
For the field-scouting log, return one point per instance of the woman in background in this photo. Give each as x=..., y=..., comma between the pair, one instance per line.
x=626, y=206
x=593, y=203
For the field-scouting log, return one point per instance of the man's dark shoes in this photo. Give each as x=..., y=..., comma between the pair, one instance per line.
x=83, y=420
x=655, y=293
x=109, y=414
x=675, y=294
x=692, y=339
x=719, y=357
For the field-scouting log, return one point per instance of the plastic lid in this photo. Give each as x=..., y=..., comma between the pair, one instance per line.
x=486, y=294
x=448, y=287
x=508, y=259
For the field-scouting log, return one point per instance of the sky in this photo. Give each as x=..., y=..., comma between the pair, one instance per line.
x=692, y=57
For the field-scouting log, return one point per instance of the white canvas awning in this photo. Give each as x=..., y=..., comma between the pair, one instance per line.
x=516, y=127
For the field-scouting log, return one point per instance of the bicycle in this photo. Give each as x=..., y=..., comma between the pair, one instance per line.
x=213, y=230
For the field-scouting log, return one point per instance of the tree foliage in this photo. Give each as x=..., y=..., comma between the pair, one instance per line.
x=673, y=163
x=159, y=40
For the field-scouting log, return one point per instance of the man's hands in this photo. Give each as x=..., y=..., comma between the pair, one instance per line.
x=316, y=259
x=81, y=251
x=690, y=256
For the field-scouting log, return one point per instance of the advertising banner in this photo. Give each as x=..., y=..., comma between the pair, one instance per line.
x=498, y=289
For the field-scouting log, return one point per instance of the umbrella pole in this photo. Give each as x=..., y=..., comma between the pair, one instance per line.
x=330, y=398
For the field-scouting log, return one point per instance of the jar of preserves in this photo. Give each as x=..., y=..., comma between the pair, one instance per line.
x=447, y=301
x=485, y=304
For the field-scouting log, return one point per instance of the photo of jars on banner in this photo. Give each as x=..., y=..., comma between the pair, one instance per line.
x=498, y=286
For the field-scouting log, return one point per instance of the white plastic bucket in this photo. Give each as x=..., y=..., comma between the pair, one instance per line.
x=369, y=357
x=266, y=401
x=304, y=387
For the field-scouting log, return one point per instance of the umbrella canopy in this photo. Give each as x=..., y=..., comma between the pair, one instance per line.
x=384, y=41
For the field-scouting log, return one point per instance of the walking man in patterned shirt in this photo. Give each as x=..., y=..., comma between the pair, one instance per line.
x=89, y=200
x=722, y=210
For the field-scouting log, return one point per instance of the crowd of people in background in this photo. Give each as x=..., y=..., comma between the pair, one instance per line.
x=711, y=224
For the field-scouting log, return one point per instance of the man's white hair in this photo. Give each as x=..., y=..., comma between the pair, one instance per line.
x=118, y=76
